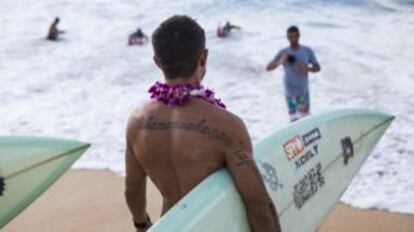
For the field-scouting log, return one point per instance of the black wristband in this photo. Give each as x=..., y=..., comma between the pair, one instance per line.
x=142, y=225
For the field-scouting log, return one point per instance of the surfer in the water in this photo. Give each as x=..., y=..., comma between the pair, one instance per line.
x=137, y=38
x=54, y=32
x=225, y=31
x=185, y=134
x=297, y=61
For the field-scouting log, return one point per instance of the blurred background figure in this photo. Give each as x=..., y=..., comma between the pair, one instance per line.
x=297, y=61
x=137, y=38
x=225, y=31
x=54, y=32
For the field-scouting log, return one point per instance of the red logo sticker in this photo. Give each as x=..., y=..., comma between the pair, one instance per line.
x=294, y=147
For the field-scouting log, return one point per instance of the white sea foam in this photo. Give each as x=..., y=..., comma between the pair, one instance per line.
x=84, y=86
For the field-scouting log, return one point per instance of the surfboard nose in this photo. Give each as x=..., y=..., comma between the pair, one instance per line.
x=385, y=116
x=28, y=166
x=383, y=119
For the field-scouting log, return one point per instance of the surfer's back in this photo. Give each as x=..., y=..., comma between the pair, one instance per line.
x=179, y=147
x=184, y=134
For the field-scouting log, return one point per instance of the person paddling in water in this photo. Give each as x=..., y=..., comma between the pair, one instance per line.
x=184, y=133
x=54, y=32
x=137, y=38
x=297, y=61
x=225, y=31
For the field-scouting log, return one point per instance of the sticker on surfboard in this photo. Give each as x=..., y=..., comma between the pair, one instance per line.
x=296, y=145
x=347, y=149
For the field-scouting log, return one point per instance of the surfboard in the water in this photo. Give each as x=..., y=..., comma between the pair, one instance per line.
x=28, y=166
x=306, y=168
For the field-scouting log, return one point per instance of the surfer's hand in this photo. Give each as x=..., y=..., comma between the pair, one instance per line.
x=144, y=226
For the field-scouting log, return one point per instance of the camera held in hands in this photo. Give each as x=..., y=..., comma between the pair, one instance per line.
x=291, y=59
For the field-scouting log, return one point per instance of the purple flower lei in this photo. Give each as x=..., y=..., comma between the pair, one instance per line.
x=180, y=94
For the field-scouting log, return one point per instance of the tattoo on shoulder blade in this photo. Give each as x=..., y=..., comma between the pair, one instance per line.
x=201, y=127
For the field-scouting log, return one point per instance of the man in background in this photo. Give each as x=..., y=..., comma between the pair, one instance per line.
x=297, y=61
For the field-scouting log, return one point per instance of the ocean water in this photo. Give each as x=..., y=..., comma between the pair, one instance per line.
x=85, y=85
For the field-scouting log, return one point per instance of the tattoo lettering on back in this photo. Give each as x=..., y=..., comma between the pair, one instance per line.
x=202, y=127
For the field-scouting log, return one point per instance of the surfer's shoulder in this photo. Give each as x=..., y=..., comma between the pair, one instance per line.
x=234, y=118
x=139, y=114
x=139, y=110
x=232, y=124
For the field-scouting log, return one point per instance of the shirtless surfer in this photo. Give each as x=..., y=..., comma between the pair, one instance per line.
x=54, y=32
x=185, y=134
x=137, y=38
x=223, y=32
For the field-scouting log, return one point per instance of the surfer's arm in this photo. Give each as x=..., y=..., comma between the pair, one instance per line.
x=260, y=209
x=135, y=185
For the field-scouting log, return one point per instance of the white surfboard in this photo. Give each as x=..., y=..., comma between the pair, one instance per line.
x=29, y=166
x=306, y=168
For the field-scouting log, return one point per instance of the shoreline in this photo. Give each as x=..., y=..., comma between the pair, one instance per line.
x=91, y=200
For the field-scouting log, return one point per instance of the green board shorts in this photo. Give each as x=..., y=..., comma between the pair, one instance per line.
x=298, y=103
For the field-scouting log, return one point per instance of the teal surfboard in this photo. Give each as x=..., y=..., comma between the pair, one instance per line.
x=28, y=166
x=306, y=168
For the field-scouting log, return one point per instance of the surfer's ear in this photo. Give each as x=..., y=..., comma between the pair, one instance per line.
x=157, y=62
x=203, y=57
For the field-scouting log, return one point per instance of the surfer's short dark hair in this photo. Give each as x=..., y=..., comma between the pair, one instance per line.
x=178, y=43
x=292, y=29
